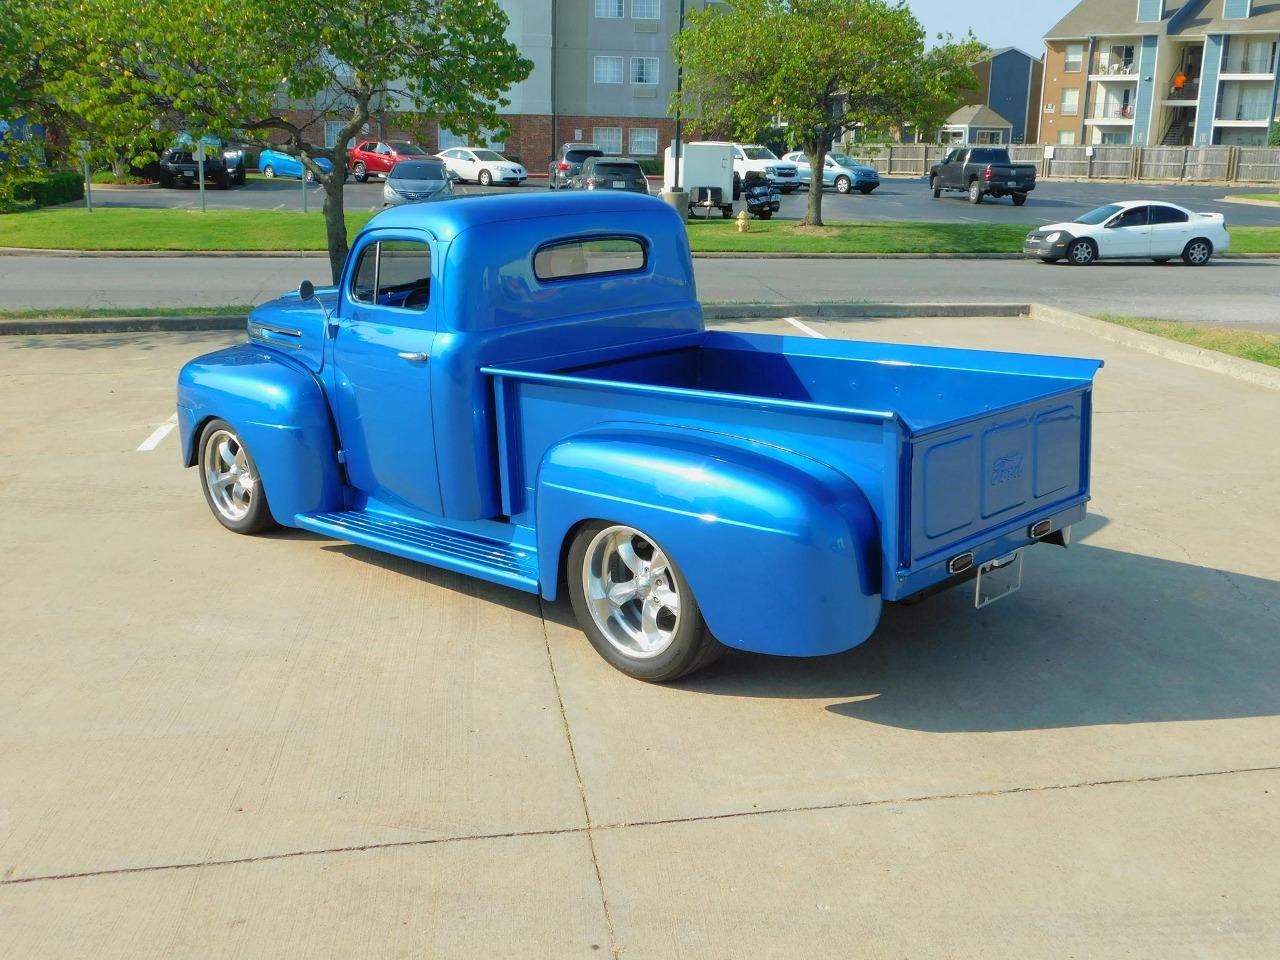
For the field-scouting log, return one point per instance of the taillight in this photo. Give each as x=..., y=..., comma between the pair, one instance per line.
x=563, y=166
x=986, y=174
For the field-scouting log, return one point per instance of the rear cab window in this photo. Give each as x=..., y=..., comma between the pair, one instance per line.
x=393, y=273
x=578, y=155
x=589, y=257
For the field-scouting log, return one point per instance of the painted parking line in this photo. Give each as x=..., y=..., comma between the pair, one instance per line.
x=158, y=434
x=805, y=328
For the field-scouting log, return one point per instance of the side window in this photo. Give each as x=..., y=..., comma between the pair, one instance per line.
x=566, y=259
x=394, y=273
x=738, y=154
x=1137, y=217
x=1167, y=215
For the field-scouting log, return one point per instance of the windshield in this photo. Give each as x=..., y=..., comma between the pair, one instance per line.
x=577, y=156
x=488, y=155
x=844, y=159
x=759, y=153
x=1101, y=215
x=412, y=149
x=417, y=170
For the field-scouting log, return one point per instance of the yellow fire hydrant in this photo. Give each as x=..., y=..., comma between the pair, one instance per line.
x=744, y=222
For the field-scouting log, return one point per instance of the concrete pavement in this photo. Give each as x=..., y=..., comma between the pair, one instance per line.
x=217, y=746
x=1235, y=292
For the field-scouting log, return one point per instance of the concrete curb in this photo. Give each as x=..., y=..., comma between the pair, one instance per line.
x=1244, y=201
x=1237, y=368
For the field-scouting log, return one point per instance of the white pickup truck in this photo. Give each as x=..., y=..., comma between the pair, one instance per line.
x=752, y=156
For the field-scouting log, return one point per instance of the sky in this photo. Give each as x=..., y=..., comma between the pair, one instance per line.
x=997, y=23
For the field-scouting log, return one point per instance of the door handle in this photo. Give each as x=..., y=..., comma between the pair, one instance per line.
x=412, y=357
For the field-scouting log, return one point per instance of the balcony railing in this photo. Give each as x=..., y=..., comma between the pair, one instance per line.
x=1114, y=112
x=1189, y=90
x=1116, y=66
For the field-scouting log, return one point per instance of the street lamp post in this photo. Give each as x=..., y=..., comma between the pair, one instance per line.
x=675, y=196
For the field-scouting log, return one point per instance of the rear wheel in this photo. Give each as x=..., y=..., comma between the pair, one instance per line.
x=634, y=604
x=269, y=172
x=737, y=187
x=1081, y=253
x=843, y=184
x=1019, y=199
x=486, y=178
x=230, y=480
x=765, y=214
x=1197, y=253
x=360, y=172
x=975, y=192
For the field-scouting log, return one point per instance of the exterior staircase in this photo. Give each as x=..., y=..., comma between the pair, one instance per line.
x=1176, y=135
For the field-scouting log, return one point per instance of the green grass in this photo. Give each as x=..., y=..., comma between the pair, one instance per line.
x=1264, y=197
x=123, y=228
x=1248, y=344
x=80, y=313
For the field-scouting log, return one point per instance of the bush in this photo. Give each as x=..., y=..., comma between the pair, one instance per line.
x=1275, y=136
x=106, y=176
x=47, y=190
x=652, y=166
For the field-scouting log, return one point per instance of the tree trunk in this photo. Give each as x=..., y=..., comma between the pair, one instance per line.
x=817, y=154
x=335, y=223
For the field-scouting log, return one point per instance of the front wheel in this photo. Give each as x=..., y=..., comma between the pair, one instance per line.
x=975, y=192
x=1050, y=259
x=1197, y=253
x=360, y=172
x=765, y=214
x=634, y=604
x=843, y=184
x=486, y=178
x=269, y=172
x=937, y=190
x=1081, y=253
x=1019, y=199
x=737, y=187
x=230, y=480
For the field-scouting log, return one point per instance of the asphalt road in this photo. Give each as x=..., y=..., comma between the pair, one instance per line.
x=896, y=200
x=1235, y=292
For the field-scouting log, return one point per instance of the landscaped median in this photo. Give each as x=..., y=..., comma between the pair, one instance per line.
x=130, y=229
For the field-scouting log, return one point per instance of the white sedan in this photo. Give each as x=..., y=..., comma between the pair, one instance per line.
x=1135, y=230
x=483, y=166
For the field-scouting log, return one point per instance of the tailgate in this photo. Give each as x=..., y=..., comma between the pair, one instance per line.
x=981, y=480
x=1012, y=171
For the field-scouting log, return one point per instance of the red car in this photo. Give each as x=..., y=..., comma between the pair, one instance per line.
x=376, y=157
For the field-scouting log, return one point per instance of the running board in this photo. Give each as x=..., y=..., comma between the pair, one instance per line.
x=466, y=553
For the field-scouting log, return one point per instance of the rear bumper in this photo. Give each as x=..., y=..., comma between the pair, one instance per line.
x=1009, y=186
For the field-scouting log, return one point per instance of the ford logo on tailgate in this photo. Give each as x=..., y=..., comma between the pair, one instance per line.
x=1006, y=469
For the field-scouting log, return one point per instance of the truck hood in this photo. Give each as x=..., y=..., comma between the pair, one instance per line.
x=293, y=327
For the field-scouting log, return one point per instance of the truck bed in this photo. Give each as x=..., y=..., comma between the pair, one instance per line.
x=954, y=449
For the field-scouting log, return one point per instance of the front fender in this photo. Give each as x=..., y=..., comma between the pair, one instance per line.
x=781, y=552
x=280, y=411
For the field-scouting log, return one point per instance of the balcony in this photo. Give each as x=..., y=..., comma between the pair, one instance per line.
x=1109, y=67
x=1114, y=114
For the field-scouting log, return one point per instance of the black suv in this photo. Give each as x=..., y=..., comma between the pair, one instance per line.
x=223, y=164
x=611, y=173
x=567, y=163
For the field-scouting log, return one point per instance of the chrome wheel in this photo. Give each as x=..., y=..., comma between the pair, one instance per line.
x=631, y=592
x=228, y=475
x=1198, y=252
x=1081, y=253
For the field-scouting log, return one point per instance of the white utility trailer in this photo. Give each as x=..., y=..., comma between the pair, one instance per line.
x=706, y=175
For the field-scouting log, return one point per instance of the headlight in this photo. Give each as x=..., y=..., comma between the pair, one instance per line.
x=1053, y=238
x=389, y=191
x=770, y=171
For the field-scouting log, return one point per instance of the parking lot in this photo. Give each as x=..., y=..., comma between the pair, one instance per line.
x=218, y=746
x=897, y=199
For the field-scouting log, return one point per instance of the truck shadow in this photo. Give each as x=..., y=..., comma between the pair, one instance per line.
x=1096, y=636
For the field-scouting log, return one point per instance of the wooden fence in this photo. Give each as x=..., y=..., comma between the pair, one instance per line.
x=1232, y=164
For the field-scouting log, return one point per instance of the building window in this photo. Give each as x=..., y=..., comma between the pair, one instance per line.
x=608, y=139
x=331, y=130
x=1066, y=137
x=610, y=9
x=608, y=69
x=449, y=139
x=1070, y=102
x=1073, y=58
x=643, y=141
x=644, y=70
x=646, y=9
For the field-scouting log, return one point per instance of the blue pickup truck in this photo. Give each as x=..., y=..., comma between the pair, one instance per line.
x=521, y=388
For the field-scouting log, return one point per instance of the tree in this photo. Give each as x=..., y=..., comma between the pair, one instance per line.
x=820, y=67
x=228, y=68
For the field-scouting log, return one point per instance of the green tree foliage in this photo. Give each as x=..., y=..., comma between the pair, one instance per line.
x=822, y=68
x=228, y=68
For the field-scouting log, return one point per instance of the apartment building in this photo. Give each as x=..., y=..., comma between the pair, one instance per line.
x=1009, y=83
x=1149, y=72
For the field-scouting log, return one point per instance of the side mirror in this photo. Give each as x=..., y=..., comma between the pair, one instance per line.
x=306, y=290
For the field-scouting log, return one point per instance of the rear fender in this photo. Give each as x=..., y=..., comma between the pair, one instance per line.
x=280, y=410
x=782, y=552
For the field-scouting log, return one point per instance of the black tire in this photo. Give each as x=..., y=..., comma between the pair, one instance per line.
x=737, y=187
x=1161, y=259
x=269, y=172
x=867, y=190
x=843, y=184
x=790, y=189
x=1019, y=199
x=692, y=648
x=1050, y=259
x=1198, y=252
x=726, y=213
x=258, y=517
x=1082, y=253
x=937, y=190
x=223, y=182
x=765, y=214
x=166, y=180
x=486, y=178
x=360, y=172
x=976, y=194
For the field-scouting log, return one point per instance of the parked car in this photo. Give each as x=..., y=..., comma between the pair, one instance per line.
x=277, y=163
x=982, y=172
x=412, y=181
x=370, y=158
x=483, y=166
x=223, y=163
x=567, y=163
x=521, y=389
x=840, y=171
x=752, y=156
x=1133, y=230
x=611, y=173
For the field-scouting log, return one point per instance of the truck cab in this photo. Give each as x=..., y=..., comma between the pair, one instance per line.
x=521, y=388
